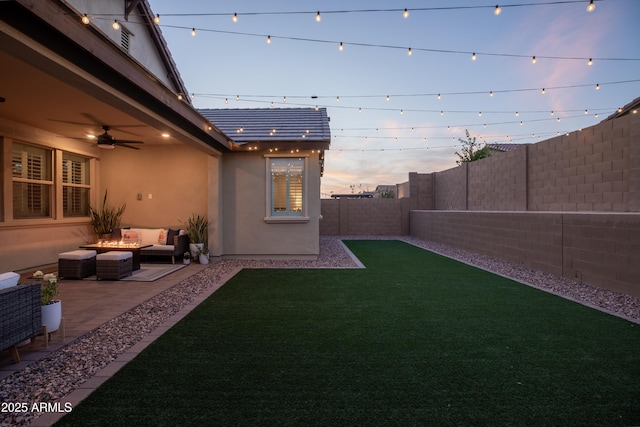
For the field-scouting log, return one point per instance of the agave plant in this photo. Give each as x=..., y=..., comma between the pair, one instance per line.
x=107, y=218
x=196, y=227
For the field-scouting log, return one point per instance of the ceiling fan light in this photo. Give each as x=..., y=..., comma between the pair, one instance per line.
x=106, y=146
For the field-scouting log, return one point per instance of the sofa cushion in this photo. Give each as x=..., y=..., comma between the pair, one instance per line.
x=157, y=248
x=130, y=235
x=9, y=279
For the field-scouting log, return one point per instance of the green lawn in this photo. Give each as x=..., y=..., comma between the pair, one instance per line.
x=413, y=339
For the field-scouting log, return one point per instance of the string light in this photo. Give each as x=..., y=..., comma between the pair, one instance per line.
x=543, y=91
x=318, y=17
x=115, y=25
x=156, y=20
x=491, y=93
x=235, y=17
x=405, y=14
x=409, y=52
x=237, y=97
x=591, y=7
x=534, y=60
x=268, y=39
x=473, y=57
x=497, y=11
x=388, y=99
x=597, y=87
x=85, y=19
x=590, y=63
x=193, y=32
x=340, y=47
x=517, y=114
x=439, y=97
x=337, y=99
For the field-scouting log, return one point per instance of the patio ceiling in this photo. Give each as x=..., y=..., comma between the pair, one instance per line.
x=59, y=88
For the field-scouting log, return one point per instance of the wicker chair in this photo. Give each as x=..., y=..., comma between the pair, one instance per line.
x=20, y=316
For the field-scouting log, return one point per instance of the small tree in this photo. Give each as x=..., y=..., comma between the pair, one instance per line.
x=471, y=150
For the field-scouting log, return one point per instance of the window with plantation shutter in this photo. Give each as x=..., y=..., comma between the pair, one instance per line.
x=32, y=181
x=75, y=185
x=286, y=188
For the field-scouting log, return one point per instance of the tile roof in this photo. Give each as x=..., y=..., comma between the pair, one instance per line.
x=251, y=125
x=504, y=147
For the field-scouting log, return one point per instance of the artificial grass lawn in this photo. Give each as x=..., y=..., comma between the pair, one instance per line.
x=413, y=339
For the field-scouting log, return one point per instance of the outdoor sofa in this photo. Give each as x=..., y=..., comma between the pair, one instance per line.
x=164, y=242
x=20, y=313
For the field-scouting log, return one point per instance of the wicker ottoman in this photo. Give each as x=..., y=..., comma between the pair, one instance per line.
x=76, y=264
x=114, y=265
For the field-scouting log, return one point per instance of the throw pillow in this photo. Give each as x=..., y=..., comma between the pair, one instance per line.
x=170, y=236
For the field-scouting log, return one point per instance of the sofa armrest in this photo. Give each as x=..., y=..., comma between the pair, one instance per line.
x=20, y=314
x=180, y=244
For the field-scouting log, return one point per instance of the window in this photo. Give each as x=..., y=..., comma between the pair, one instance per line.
x=286, y=198
x=32, y=181
x=75, y=185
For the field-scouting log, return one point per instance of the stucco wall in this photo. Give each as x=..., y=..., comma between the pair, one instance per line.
x=599, y=249
x=172, y=180
x=245, y=233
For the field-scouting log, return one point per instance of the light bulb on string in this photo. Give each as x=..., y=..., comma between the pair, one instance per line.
x=388, y=99
x=590, y=63
x=491, y=93
x=497, y=11
x=337, y=99
x=284, y=99
x=226, y=100
x=340, y=47
x=237, y=97
x=193, y=32
x=591, y=7
x=234, y=18
x=586, y=112
x=439, y=97
x=156, y=19
x=318, y=17
x=597, y=86
x=115, y=25
x=85, y=19
x=543, y=91
x=405, y=14
x=534, y=60
x=517, y=114
x=473, y=57
x=268, y=39
x=409, y=52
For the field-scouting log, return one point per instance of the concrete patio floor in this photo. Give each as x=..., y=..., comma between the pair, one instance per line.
x=87, y=304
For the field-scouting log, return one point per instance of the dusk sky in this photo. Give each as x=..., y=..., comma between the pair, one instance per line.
x=378, y=141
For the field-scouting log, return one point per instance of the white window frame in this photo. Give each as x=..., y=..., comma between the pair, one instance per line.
x=286, y=218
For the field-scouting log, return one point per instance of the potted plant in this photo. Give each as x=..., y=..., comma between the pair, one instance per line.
x=51, y=307
x=196, y=227
x=203, y=256
x=106, y=218
x=186, y=258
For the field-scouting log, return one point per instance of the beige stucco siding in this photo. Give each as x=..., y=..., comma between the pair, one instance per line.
x=245, y=232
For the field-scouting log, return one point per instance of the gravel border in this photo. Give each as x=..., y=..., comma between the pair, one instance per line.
x=55, y=376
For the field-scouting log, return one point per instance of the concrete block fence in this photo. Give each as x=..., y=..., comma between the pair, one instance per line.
x=569, y=206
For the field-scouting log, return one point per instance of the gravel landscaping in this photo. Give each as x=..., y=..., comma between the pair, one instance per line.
x=55, y=376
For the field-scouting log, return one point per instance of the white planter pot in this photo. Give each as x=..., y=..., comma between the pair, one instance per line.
x=52, y=315
x=186, y=261
x=204, y=259
x=195, y=248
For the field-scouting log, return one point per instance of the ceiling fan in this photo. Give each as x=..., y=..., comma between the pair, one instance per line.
x=107, y=141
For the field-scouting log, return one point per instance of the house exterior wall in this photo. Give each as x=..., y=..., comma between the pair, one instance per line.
x=27, y=242
x=172, y=180
x=245, y=233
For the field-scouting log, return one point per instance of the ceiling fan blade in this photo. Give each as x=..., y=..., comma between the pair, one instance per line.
x=126, y=141
x=125, y=145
